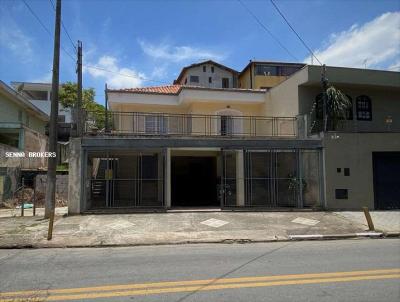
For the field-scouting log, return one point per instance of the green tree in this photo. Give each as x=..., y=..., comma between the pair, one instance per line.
x=68, y=95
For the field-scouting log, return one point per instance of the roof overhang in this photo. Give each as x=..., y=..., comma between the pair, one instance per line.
x=20, y=100
x=188, y=95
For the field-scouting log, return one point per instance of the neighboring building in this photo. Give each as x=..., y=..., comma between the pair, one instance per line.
x=39, y=94
x=362, y=155
x=265, y=74
x=208, y=74
x=22, y=128
x=184, y=146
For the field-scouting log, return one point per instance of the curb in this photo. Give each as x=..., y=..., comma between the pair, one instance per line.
x=290, y=238
x=341, y=236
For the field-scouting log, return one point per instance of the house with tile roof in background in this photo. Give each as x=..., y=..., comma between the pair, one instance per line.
x=194, y=145
x=208, y=74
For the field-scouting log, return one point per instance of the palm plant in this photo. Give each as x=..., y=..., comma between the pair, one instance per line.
x=337, y=105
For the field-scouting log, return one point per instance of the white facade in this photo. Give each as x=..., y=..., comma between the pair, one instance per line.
x=39, y=94
x=208, y=75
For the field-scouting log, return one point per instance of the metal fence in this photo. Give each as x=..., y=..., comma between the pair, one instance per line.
x=308, y=125
x=170, y=124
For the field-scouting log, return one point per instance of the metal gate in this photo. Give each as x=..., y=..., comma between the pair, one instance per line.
x=272, y=178
x=126, y=179
x=228, y=178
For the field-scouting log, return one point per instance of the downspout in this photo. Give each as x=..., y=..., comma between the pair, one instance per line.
x=251, y=74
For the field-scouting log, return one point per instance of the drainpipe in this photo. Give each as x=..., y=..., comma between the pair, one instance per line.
x=251, y=74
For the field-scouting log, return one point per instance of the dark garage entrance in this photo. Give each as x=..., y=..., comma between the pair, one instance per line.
x=194, y=181
x=386, y=180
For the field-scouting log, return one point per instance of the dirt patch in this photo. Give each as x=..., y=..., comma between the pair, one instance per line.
x=27, y=196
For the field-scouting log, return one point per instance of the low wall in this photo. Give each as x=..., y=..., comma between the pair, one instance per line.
x=61, y=185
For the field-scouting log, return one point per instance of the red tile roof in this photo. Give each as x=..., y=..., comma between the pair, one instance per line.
x=167, y=89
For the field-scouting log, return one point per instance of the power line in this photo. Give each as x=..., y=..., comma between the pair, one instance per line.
x=63, y=26
x=85, y=65
x=267, y=30
x=45, y=28
x=124, y=75
x=298, y=36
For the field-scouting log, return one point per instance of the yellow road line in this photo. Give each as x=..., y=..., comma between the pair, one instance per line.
x=205, y=282
x=142, y=292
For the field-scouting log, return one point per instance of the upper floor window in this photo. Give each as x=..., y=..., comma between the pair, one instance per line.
x=185, y=80
x=194, y=79
x=204, y=68
x=266, y=70
x=155, y=124
x=212, y=69
x=288, y=70
x=364, y=108
x=226, y=127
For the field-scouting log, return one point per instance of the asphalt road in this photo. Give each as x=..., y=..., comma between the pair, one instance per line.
x=350, y=270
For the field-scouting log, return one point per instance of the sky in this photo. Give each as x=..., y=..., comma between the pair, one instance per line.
x=147, y=43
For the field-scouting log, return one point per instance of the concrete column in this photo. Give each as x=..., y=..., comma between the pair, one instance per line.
x=75, y=177
x=167, y=179
x=239, y=178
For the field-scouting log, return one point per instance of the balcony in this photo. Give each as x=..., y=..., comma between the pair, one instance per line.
x=188, y=125
x=308, y=125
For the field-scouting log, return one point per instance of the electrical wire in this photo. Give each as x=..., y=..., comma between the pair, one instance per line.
x=298, y=36
x=45, y=28
x=65, y=29
x=267, y=30
x=85, y=65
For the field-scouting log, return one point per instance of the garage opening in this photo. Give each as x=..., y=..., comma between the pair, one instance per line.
x=194, y=181
x=386, y=180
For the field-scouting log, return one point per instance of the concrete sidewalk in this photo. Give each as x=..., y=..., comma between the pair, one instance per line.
x=174, y=228
x=384, y=221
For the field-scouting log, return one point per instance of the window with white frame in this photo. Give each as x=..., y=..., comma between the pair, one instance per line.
x=229, y=122
x=156, y=124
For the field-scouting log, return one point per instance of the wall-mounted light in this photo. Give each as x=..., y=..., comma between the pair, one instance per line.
x=388, y=122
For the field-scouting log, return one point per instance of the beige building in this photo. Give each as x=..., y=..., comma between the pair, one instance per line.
x=266, y=74
x=184, y=146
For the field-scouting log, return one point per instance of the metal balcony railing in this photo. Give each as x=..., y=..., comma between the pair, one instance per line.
x=308, y=125
x=200, y=125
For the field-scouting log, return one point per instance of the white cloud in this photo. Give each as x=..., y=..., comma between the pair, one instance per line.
x=14, y=39
x=114, y=75
x=395, y=66
x=46, y=78
x=171, y=53
x=375, y=43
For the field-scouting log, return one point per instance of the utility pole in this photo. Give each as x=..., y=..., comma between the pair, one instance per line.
x=78, y=109
x=324, y=82
x=52, y=161
x=106, y=109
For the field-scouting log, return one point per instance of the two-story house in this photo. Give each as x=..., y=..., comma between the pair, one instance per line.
x=190, y=146
x=22, y=129
x=39, y=94
x=361, y=155
x=208, y=74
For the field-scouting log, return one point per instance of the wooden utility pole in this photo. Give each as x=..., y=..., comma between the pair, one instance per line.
x=106, y=108
x=52, y=161
x=324, y=82
x=78, y=109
